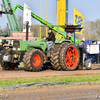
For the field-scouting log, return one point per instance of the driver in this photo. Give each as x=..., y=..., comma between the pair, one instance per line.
x=50, y=39
x=51, y=36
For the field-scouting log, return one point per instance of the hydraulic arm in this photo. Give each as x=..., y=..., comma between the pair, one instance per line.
x=13, y=22
x=56, y=29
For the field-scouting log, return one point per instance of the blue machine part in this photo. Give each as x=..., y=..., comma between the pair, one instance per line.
x=91, y=56
x=90, y=41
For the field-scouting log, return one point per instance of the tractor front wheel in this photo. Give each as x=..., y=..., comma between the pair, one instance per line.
x=9, y=65
x=33, y=60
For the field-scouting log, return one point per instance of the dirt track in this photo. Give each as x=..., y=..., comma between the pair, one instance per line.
x=20, y=73
x=84, y=92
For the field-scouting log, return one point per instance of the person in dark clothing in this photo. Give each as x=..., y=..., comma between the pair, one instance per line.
x=83, y=45
x=1, y=46
x=51, y=36
x=50, y=39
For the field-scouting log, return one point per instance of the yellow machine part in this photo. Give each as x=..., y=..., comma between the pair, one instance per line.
x=61, y=15
x=16, y=55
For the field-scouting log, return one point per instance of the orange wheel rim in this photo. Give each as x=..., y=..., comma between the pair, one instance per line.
x=71, y=57
x=36, y=60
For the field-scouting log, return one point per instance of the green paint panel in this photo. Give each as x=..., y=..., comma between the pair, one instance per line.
x=62, y=40
x=26, y=45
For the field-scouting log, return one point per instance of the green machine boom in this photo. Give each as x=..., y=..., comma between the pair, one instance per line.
x=13, y=22
x=56, y=29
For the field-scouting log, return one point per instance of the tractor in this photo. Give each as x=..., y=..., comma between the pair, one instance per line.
x=63, y=54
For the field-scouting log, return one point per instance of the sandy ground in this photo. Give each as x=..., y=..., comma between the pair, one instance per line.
x=21, y=73
x=84, y=92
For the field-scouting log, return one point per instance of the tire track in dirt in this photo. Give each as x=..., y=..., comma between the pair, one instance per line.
x=21, y=73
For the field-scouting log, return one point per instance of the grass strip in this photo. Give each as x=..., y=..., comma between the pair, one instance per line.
x=68, y=79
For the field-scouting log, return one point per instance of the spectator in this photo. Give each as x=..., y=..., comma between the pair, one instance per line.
x=83, y=45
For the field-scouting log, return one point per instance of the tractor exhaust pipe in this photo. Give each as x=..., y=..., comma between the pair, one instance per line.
x=27, y=30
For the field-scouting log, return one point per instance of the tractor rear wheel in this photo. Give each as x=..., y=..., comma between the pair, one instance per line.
x=33, y=60
x=54, y=56
x=69, y=57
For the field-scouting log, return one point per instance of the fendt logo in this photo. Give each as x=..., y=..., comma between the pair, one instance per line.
x=78, y=20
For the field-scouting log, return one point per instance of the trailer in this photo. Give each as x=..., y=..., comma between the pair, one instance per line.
x=93, y=53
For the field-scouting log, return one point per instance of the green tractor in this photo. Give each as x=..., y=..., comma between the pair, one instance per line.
x=63, y=54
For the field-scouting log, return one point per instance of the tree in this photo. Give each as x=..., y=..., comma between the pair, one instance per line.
x=90, y=30
x=86, y=30
x=20, y=20
x=1, y=30
x=97, y=27
x=5, y=30
x=36, y=30
x=43, y=31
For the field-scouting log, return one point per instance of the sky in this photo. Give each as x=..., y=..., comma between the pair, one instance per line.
x=89, y=8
